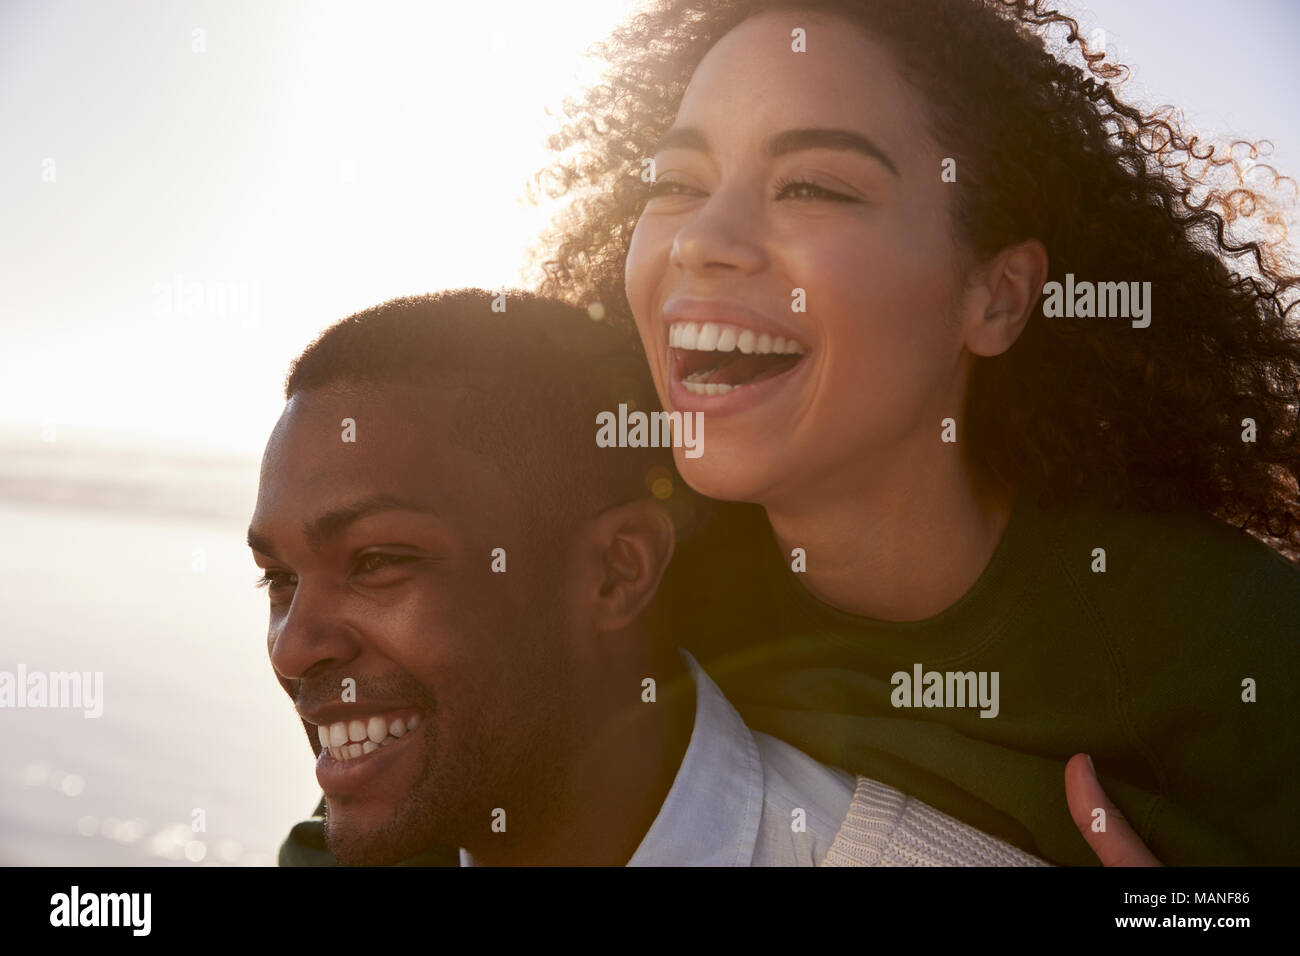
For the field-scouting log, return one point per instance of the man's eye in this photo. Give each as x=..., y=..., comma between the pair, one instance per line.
x=369, y=563
x=273, y=579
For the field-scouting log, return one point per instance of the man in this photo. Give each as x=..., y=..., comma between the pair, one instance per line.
x=463, y=608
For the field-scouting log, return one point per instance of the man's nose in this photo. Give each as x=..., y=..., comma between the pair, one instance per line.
x=725, y=233
x=314, y=630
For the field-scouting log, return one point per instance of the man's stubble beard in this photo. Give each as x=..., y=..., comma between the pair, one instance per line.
x=407, y=833
x=519, y=763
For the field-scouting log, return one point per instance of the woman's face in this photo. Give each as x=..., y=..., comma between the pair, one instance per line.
x=726, y=241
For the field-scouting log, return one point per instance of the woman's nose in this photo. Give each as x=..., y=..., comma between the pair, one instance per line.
x=725, y=233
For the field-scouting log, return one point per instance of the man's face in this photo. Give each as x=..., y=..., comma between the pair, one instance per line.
x=378, y=556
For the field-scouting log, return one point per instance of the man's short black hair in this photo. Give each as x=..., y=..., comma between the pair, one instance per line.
x=537, y=375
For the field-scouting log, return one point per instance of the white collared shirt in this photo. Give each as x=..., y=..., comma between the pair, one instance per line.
x=741, y=798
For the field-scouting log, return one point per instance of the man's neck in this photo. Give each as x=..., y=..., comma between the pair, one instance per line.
x=617, y=780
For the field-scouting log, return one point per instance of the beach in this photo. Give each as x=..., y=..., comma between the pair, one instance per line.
x=135, y=568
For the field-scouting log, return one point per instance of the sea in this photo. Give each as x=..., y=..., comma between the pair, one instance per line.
x=130, y=563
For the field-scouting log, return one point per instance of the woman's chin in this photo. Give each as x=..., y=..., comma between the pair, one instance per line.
x=722, y=475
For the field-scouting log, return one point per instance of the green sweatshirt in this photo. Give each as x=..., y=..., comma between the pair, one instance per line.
x=1142, y=665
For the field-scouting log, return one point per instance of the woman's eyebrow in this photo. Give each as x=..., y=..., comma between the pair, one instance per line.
x=787, y=141
x=811, y=137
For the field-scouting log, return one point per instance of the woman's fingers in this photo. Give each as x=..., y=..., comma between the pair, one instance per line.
x=1107, y=832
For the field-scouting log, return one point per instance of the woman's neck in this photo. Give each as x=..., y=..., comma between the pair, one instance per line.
x=900, y=547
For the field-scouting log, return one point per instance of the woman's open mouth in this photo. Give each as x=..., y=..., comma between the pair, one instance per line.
x=715, y=358
x=712, y=358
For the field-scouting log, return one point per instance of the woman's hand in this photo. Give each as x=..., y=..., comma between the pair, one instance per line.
x=1118, y=845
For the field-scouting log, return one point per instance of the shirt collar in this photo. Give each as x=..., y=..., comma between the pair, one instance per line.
x=712, y=812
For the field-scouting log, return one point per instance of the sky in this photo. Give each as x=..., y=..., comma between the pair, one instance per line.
x=192, y=191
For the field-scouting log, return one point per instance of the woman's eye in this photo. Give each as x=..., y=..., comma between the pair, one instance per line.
x=667, y=187
x=273, y=579
x=809, y=190
x=791, y=188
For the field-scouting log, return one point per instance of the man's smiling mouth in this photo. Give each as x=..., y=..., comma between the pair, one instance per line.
x=348, y=739
x=714, y=358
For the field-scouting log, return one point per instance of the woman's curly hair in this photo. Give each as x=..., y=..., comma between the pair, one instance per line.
x=1045, y=148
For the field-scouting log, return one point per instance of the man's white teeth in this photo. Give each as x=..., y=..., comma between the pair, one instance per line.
x=712, y=337
x=349, y=739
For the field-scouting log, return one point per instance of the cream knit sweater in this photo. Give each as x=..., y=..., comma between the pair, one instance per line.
x=886, y=827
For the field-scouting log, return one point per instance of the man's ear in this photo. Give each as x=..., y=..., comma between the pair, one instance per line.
x=1001, y=296
x=629, y=547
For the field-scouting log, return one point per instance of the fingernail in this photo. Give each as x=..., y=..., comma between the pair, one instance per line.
x=1091, y=766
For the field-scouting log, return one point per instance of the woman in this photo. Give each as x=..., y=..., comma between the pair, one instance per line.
x=943, y=480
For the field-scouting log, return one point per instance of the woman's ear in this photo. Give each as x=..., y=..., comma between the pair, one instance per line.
x=999, y=300
x=629, y=548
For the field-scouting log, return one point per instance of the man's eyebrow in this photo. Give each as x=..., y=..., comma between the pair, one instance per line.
x=787, y=141
x=260, y=543
x=333, y=522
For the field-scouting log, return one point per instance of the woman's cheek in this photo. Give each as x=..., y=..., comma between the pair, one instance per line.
x=637, y=273
x=879, y=356
x=639, y=284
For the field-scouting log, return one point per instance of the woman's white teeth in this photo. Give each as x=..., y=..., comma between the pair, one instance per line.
x=712, y=337
x=349, y=739
x=693, y=384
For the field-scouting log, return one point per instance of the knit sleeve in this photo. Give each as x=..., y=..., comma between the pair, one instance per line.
x=886, y=827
